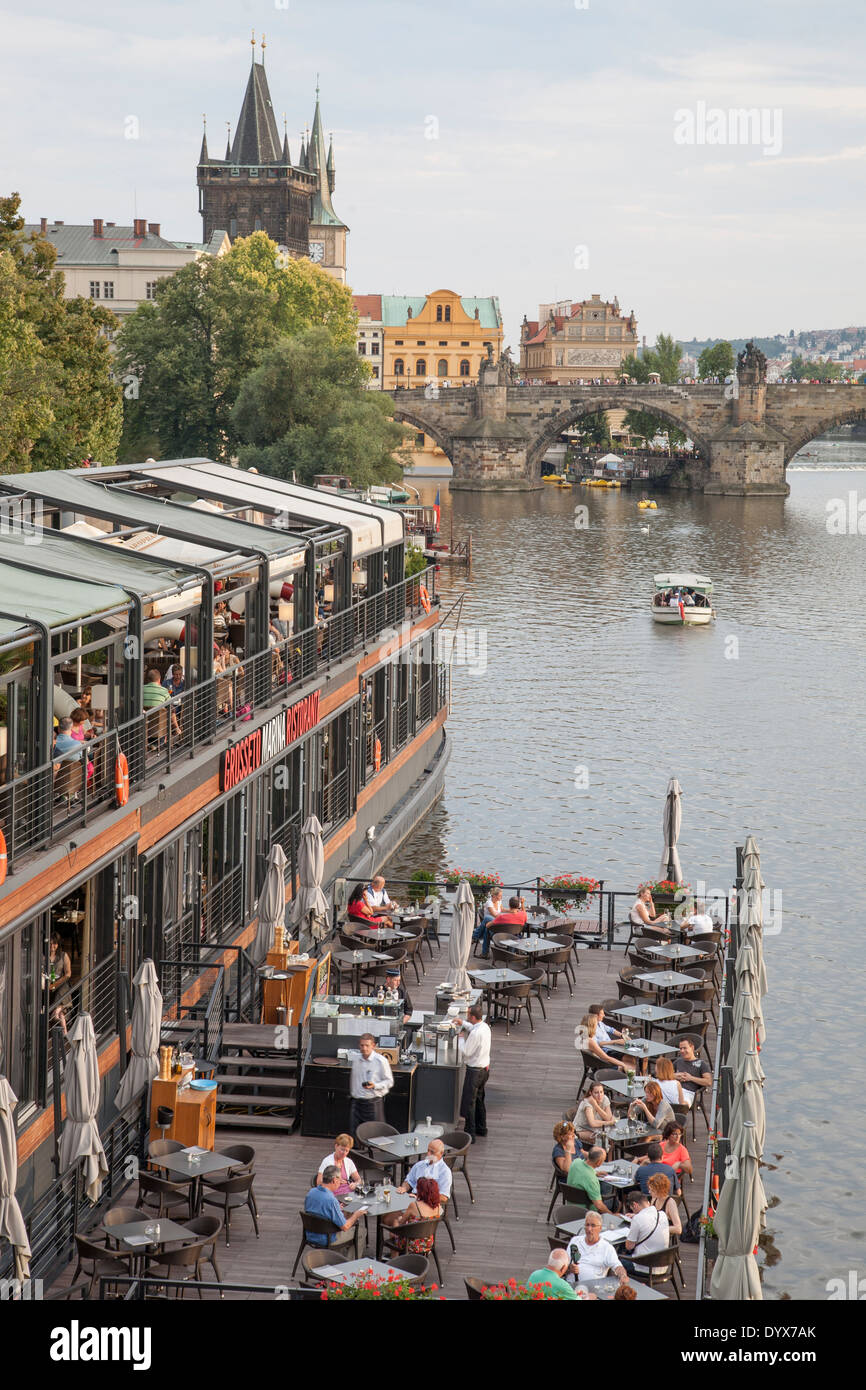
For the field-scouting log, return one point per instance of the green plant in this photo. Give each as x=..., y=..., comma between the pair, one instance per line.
x=512, y=1292
x=366, y=1286
x=422, y=884
x=709, y=1229
x=416, y=561
x=480, y=882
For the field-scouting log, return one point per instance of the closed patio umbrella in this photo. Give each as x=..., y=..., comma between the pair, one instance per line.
x=460, y=939
x=744, y=1032
x=311, y=905
x=748, y=1103
x=12, y=1226
x=146, y=1024
x=672, y=821
x=738, y=1223
x=80, y=1137
x=754, y=918
x=272, y=904
x=745, y=997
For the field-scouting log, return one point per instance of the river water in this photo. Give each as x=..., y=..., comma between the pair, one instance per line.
x=571, y=710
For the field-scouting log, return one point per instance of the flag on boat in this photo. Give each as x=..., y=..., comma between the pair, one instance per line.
x=436, y=505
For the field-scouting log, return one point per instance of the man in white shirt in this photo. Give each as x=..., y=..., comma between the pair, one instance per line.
x=433, y=1165
x=476, y=1059
x=592, y=1257
x=370, y=1081
x=377, y=897
x=649, y=1232
x=700, y=921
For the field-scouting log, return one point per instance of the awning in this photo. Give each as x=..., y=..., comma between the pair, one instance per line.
x=371, y=526
x=92, y=498
x=41, y=596
x=62, y=555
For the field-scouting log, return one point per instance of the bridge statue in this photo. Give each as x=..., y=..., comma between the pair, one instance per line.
x=496, y=433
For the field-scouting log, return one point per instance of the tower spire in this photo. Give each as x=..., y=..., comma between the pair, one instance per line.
x=318, y=164
x=264, y=46
x=228, y=142
x=253, y=46
x=203, y=157
x=286, y=157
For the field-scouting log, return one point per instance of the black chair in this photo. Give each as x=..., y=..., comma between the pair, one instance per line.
x=563, y=1193
x=413, y=1230
x=245, y=1156
x=558, y=963
x=474, y=1288
x=230, y=1194
x=158, y=1148
x=161, y=1197
x=207, y=1229
x=321, y=1226
x=571, y=1212
x=538, y=976
x=659, y=1269
x=591, y=1064
x=513, y=999
x=100, y=1262
x=461, y=1143
x=175, y=1261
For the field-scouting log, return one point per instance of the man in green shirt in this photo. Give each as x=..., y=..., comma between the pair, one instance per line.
x=551, y=1277
x=583, y=1176
x=153, y=692
x=153, y=696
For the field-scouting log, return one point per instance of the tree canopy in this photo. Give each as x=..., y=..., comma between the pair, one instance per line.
x=814, y=371
x=716, y=361
x=58, y=400
x=305, y=410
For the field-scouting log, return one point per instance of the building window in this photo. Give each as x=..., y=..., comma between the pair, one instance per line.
x=94, y=289
x=376, y=373
x=443, y=342
x=233, y=227
x=421, y=367
x=257, y=225
x=466, y=344
x=398, y=342
x=362, y=349
x=438, y=313
x=374, y=347
x=398, y=366
x=420, y=342
x=464, y=367
x=447, y=313
x=108, y=289
x=442, y=367
x=150, y=289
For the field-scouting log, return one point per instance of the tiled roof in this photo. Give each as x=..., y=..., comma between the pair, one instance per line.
x=78, y=246
x=368, y=306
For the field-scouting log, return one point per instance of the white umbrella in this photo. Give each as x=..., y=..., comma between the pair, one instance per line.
x=460, y=940
x=272, y=904
x=80, y=1137
x=738, y=1222
x=754, y=918
x=311, y=903
x=672, y=820
x=745, y=997
x=146, y=1024
x=12, y=1226
x=748, y=1102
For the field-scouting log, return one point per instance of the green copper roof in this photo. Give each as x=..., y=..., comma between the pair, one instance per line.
x=317, y=162
x=395, y=309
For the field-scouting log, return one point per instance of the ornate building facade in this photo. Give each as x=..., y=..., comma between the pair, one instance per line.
x=257, y=186
x=574, y=342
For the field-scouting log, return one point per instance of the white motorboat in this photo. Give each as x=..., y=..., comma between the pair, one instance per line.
x=682, y=600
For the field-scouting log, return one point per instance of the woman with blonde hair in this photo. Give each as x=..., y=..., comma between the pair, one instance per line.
x=340, y=1160
x=669, y=1086
x=584, y=1041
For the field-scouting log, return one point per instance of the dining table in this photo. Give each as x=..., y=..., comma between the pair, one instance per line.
x=355, y=961
x=622, y=1133
x=377, y=1208
x=645, y=1014
x=527, y=945
x=605, y=1289
x=141, y=1238
x=641, y=1049
x=345, y=1273
x=677, y=951
x=408, y=1148
x=193, y=1164
x=613, y=1227
x=664, y=981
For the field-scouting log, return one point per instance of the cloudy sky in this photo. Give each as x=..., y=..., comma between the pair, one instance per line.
x=534, y=149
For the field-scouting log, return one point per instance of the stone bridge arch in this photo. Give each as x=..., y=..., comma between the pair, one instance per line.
x=414, y=414
x=799, y=433
x=546, y=432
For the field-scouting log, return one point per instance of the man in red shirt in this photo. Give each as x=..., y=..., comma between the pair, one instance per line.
x=514, y=917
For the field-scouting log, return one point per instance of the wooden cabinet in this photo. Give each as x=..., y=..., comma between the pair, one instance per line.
x=194, y=1113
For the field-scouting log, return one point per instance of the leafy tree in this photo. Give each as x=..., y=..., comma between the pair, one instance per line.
x=594, y=430
x=717, y=361
x=305, y=410
x=665, y=359
x=74, y=402
x=635, y=367
x=814, y=371
x=209, y=327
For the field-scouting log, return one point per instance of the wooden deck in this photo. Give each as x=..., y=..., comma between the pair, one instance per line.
x=533, y=1079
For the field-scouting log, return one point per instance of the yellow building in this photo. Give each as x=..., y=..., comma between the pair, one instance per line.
x=577, y=342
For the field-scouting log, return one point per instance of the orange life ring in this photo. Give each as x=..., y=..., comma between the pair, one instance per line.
x=4, y=859
x=425, y=599
x=121, y=779
x=377, y=756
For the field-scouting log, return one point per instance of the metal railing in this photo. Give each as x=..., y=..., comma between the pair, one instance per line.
x=302, y=1043
x=95, y=993
x=198, y=1025
x=38, y=806
x=139, y=1289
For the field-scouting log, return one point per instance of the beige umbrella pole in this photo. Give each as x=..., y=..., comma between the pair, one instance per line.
x=460, y=940
x=272, y=904
x=671, y=824
x=12, y=1226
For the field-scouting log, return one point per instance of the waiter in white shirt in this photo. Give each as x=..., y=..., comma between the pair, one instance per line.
x=370, y=1081
x=476, y=1059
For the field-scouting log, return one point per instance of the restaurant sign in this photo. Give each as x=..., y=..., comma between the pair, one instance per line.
x=259, y=747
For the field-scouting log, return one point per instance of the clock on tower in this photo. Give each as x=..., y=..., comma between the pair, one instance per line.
x=317, y=251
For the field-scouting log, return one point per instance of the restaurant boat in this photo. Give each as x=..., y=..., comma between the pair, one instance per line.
x=682, y=600
x=304, y=679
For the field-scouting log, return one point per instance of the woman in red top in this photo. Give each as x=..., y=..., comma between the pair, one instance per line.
x=359, y=909
x=674, y=1152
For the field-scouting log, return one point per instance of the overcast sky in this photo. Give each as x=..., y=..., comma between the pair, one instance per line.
x=555, y=171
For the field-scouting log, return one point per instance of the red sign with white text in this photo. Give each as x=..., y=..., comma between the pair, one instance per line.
x=259, y=747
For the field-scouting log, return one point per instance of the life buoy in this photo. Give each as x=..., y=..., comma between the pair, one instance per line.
x=121, y=779
x=4, y=859
x=377, y=756
x=425, y=599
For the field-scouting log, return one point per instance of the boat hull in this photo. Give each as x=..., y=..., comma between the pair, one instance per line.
x=692, y=617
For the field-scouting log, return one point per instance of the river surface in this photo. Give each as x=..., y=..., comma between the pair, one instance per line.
x=566, y=733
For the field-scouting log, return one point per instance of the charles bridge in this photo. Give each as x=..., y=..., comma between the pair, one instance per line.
x=745, y=432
